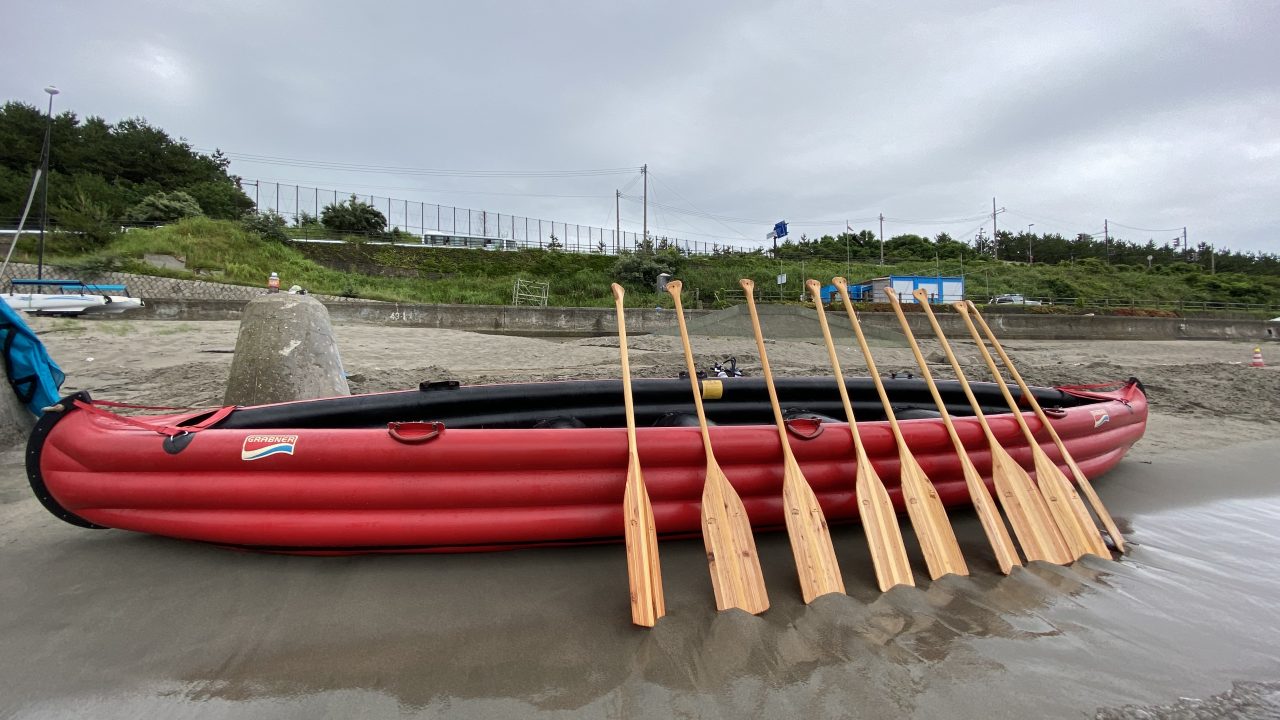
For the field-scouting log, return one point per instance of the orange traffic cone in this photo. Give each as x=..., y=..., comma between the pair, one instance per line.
x=1257, y=358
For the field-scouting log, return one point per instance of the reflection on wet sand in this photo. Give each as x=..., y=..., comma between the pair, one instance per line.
x=525, y=634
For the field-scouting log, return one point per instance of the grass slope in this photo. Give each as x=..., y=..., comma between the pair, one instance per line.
x=222, y=251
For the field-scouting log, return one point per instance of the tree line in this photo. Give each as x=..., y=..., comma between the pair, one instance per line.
x=1024, y=247
x=104, y=174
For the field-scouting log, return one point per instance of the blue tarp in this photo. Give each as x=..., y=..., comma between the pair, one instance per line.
x=33, y=375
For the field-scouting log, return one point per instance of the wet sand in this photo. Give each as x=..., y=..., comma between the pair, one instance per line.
x=104, y=624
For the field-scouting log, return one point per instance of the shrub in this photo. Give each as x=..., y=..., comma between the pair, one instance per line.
x=88, y=221
x=353, y=216
x=642, y=269
x=164, y=207
x=270, y=225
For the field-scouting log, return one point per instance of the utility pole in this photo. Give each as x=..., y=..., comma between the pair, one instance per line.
x=617, y=216
x=1184, y=241
x=1106, y=238
x=995, y=234
x=45, y=151
x=882, y=238
x=848, y=257
x=644, y=172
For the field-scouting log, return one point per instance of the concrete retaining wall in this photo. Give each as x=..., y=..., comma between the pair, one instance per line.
x=601, y=321
x=1088, y=327
x=480, y=318
x=150, y=286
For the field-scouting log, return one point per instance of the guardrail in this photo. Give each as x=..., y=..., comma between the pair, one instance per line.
x=1133, y=303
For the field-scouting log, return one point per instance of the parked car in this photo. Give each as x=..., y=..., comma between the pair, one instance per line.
x=1013, y=299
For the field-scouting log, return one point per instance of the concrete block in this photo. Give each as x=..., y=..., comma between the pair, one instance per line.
x=15, y=420
x=285, y=351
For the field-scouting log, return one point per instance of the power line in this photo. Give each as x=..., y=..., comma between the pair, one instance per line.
x=686, y=201
x=1041, y=218
x=401, y=170
x=303, y=183
x=946, y=221
x=1130, y=227
x=741, y=220
x=804, y=223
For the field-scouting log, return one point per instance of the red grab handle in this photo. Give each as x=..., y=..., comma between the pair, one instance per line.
x=414, y=433
x=804, y=428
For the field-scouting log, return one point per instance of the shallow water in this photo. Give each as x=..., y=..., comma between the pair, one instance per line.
x=111, y=624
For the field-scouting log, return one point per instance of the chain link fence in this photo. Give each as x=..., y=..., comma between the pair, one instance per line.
x=466, y=227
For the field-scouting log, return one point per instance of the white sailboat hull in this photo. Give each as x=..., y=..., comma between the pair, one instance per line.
x=71, y=304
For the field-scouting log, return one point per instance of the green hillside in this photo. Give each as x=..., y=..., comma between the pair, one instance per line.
x=224, y=251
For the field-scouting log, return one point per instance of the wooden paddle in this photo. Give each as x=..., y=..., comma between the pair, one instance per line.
x=879, y=522
x=806, y=525
x=644, y=574
x=726, y=529
x=1081, y=480
x=992, y=524
x=1028, y=514
x=1068, y=510
x=928, y=517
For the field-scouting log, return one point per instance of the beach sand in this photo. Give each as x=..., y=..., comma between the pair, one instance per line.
x=104, y=624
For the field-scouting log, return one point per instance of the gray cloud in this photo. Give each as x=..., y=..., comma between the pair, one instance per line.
x=1150, y=114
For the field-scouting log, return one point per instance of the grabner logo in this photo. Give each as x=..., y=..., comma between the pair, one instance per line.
x=1100, y=418
x=257, y=447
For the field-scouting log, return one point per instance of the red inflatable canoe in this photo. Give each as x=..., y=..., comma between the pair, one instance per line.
x=449, y=468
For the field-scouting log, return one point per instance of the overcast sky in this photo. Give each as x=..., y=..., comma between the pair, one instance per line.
x=1149, y=114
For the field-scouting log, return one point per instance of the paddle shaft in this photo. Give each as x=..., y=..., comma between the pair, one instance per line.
x=884, y=537
x=749, y=289
x=1107, y=521
x=644, y=574
x=1001, y=544
x=674, y=287
x=627, y=401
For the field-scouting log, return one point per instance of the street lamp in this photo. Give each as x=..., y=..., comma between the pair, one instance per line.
x=44, y=195
x=1030, y=258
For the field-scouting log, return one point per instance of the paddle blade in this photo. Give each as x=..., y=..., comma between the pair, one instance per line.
x=1001, y=544
x=1096, y=502
x=643, y=571
x=1036, y=531
x=1073, y=519
x=933, y=529
x=810, y=539
x=731, y=550
x=880, y=523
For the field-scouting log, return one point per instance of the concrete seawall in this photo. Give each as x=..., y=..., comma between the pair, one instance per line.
x=602, y=321
x=1087, y=327
x=476, y=318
